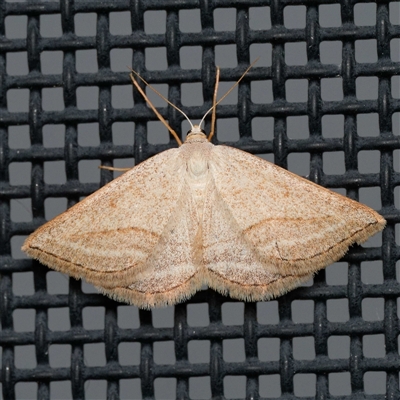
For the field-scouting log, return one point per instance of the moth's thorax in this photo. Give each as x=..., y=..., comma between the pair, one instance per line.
x=196, y=152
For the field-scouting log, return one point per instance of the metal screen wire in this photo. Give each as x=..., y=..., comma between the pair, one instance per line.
x=322, y=101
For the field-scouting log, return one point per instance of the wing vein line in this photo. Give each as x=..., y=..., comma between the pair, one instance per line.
x=81, y=265
x=330, y=247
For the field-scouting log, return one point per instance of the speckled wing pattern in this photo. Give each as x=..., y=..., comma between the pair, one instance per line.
x=202, y=214
x=285, y=228
x=107, y=238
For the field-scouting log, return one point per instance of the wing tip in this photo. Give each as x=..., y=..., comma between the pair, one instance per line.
x=370, y=230
x=51, y=261
x=97, y=278
x=334, y=253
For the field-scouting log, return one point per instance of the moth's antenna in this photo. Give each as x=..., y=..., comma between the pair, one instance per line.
x=159, y=116
x=164, y=98
x=230, y=90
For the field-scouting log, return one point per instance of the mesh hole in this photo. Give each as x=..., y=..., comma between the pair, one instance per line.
x=129, y=353
x=304, y=385
x=235, y=387
x=339, y=347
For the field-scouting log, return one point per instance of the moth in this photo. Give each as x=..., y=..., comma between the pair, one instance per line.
x=199, y=215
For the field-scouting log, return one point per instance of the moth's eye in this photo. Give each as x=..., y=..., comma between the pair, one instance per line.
x=203, y=131
x=189, y=131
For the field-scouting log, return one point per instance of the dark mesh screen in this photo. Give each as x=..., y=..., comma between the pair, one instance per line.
x=323, y=101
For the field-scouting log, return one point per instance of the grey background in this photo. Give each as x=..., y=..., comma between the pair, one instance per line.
x=261, y=92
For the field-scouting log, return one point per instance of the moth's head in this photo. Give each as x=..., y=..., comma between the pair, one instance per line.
x=196, y=134
x=196, y=130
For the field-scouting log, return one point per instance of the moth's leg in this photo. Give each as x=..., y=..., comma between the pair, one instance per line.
x=159, y=116
x=114, y=168
x=214, y=111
